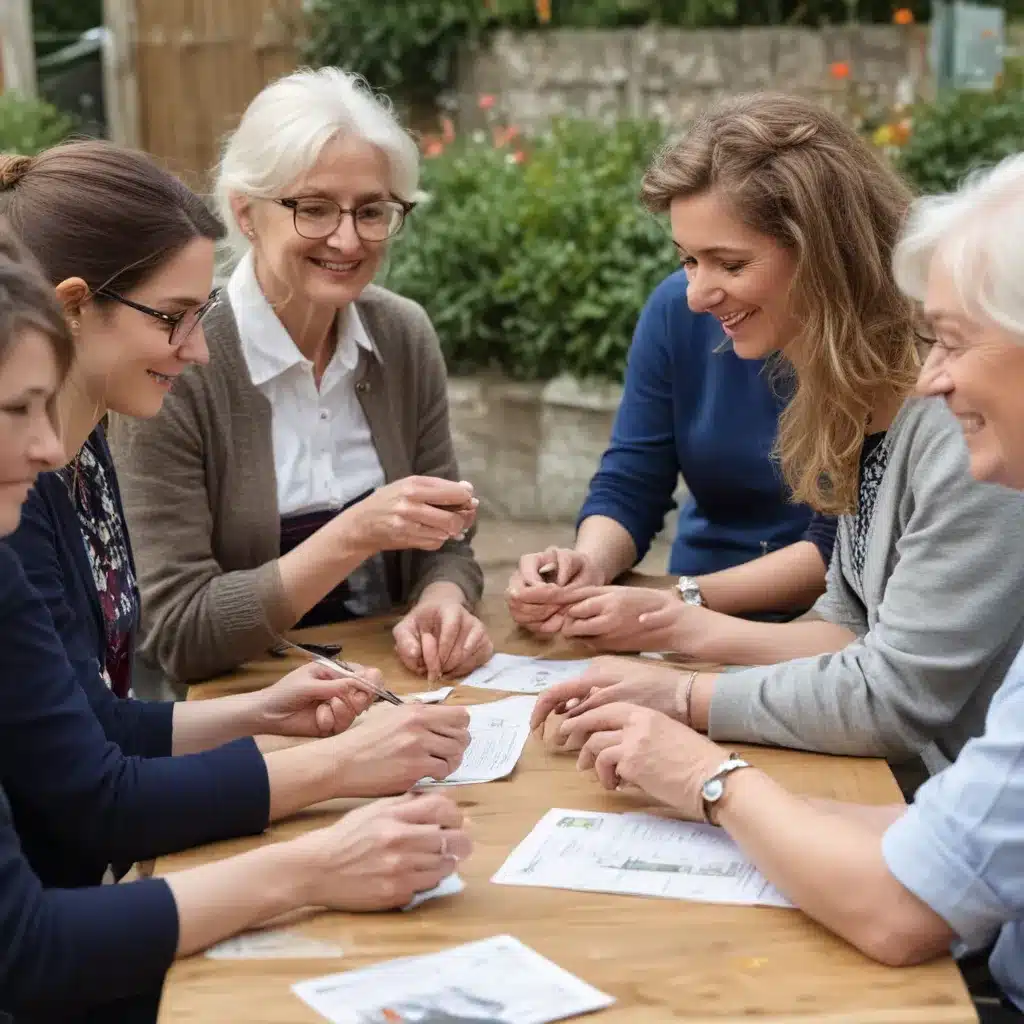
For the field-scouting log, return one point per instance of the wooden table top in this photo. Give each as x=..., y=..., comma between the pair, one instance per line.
x=663, y=960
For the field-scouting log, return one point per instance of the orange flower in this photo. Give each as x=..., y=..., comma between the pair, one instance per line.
x=901, y=132
x=903, y=16
x=485, y=101
x=840, y=70
x=543, y=11
x=447, y=129
x=518, y=156
x=435, y=147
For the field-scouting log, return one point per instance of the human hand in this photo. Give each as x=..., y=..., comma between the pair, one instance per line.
x=608, y=680
x=379, y=856
x=397, y=746
x=442, y=637
x=537, y=600
x=312, y=701
x=634, y=619
x=641, y=747
x=417, y=512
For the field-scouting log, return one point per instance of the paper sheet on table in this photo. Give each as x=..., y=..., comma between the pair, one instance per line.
x=272, y=944
x=636, y=854
x=518, y=673
x=497, y=734
x=497, y=979
x=430, y=696
x=450, y=886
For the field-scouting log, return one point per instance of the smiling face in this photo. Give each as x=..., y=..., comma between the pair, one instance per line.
x=736, y=274
x=28, y=442
x=977, y=366
x=331, y=271
x=127, y=360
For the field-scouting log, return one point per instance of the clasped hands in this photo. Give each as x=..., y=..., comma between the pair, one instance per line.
x=572, y=599
x=628, y=723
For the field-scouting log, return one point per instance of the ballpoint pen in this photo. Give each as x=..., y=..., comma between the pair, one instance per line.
x=345, y=671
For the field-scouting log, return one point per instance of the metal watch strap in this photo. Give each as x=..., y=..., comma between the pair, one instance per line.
x=731, y=764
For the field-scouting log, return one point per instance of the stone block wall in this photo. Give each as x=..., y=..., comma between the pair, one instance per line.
x=669, y=73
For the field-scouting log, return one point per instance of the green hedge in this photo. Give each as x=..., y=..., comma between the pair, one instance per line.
x=29, y=126
x=961, y=131
x=536, y=261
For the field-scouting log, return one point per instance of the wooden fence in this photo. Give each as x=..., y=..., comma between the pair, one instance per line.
x=179, y=74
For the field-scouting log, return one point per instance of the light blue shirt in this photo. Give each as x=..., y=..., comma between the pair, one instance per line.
x=960, y=847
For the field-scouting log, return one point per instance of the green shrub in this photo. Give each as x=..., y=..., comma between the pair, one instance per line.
x=29, y=126
x=959, y=132
x=541, y=266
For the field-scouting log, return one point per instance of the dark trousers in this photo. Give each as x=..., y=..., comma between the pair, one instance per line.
x=992, y=1006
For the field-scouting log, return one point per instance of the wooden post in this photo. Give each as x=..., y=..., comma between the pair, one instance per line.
x=17, y=49
x=120, y=85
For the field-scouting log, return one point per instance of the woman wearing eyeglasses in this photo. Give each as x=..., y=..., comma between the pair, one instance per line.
x=306, y=475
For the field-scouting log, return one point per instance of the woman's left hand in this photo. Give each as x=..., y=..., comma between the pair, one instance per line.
x=639, y=747
x=442, y=637
x=313, y=701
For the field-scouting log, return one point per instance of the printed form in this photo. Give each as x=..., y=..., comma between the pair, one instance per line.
x=516, y=673
x=639, y=855
x=497, y=734
x=495, y=980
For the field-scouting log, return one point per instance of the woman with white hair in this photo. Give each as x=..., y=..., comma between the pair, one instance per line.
x=307, y=474
x=902, y=884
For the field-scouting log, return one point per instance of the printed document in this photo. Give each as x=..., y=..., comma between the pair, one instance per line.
x=495, y=980
x=497, y=734
x=450, y=886
x=517, y=673
x=636, y=854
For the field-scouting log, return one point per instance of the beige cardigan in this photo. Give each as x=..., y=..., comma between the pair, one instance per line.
x=199, y=490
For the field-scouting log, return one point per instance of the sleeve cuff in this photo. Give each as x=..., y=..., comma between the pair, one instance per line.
x=730, y=703
x=156, y=727
x=922, y=863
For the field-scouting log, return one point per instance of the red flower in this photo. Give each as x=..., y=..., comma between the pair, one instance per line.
x=839, y=70
x=543, y=11
x=903, y=16
x=486, y=101
x=447, y=129
x=435, y=147
x=518, y=156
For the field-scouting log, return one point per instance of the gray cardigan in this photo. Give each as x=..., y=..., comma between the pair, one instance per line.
x=199, y=490
x=944, y=617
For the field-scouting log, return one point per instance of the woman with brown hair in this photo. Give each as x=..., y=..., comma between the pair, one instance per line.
x=785, y=221
x=72, y=949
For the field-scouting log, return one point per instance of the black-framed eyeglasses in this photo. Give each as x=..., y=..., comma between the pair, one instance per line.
x=182, y=323
x=376, y=221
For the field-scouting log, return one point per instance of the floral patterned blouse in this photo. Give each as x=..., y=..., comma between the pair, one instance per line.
x=90, y=482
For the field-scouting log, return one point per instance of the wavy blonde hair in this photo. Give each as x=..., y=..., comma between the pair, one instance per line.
x=794, y=172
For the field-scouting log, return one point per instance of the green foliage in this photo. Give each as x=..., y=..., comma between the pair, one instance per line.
x=961, y=131
x=541, y=266
x=28, y=126
x=66, y=16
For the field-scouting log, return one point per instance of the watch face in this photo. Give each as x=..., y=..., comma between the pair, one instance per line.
x=714, y=789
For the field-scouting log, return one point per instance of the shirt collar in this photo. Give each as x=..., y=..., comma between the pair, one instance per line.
x=268, y=347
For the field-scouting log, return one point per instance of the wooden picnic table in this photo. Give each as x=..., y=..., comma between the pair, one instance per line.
x=663, y=960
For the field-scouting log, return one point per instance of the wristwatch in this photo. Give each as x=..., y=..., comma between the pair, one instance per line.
x=689, y=591
x=714, y=787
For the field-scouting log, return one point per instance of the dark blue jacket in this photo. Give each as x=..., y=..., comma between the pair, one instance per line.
x=691, y=406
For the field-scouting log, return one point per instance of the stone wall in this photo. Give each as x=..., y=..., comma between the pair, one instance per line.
x=668, y=73
x=530, y=449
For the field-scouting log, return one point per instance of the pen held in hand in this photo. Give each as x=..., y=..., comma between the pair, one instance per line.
x=345, y=672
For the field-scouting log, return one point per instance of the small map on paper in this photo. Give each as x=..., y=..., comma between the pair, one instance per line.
x=494, y=980
x=450, y=886
x=497, y=734
x=639, y=855
x=272, y=944
x=518, y=673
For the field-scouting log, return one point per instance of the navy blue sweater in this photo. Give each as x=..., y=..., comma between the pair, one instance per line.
x=690, y=405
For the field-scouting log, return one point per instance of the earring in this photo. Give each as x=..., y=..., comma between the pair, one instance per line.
x=75, y=325
x=250, y=234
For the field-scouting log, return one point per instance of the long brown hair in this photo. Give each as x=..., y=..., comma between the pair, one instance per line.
x=28, y=302
x=101, y=212
x=795, y=172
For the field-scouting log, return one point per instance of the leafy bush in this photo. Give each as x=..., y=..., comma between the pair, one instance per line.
x=29, y=126
x=961, y=131
x=536, y=261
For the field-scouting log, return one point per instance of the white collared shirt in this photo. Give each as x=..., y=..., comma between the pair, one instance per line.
x=323, y=452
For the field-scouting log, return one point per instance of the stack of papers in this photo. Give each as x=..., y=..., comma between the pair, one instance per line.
x=497, y=734
x=495, y=980
x=636, y=854
x=517, y=673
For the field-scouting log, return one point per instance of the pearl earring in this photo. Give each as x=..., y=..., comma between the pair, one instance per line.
x=75, y=325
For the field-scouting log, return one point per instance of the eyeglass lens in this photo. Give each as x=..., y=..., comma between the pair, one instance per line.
x=374, y=222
